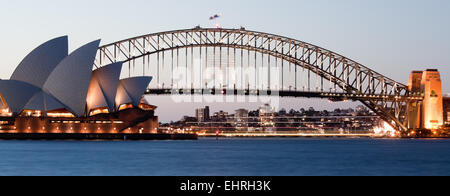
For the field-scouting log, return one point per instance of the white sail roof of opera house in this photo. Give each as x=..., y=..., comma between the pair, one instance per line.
x=103, y=87
x=40, y=63
x=69, y=82
x=44, y=102
x=49, y=79
x=131, y=90
x=16, y=94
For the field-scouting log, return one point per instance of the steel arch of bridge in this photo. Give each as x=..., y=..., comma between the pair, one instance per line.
x=381, y=94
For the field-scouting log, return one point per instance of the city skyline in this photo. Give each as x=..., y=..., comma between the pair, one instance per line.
x=394, y=39
x=212, y=111
x=358, y=120
x=205, y=88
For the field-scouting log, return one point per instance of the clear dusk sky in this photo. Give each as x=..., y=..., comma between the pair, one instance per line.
x=392, y=37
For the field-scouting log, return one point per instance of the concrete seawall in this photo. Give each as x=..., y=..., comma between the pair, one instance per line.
x=284, y=135
x=94, y=136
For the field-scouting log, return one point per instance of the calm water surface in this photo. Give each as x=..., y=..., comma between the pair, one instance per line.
x=241, y=157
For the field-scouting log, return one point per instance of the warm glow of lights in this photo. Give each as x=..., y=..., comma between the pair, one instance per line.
x=34, y=113
x=386, y=130
x=61, y=115
x=6, y=113
x=147, y=107
x=99, y=111
x=125, y=106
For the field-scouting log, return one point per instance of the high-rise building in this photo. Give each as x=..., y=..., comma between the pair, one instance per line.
x=447, y=111
x=202, y=114
x=241, y=119
x=267, y=115
x=220, y=116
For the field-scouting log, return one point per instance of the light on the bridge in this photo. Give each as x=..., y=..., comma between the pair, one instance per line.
x=386, y=130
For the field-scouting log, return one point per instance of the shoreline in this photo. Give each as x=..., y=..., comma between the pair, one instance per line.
x=284, y=135
x=96, y=136
x=305, y=135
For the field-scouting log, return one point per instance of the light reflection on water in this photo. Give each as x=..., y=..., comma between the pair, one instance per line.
x=239, y=156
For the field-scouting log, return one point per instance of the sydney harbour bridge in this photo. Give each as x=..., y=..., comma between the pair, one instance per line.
x=210, y=61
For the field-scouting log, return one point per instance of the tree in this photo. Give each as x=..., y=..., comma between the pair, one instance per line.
x=292, y=112
x=311, y=112
x=303, y=110
x=254, y=113
x=282, y=112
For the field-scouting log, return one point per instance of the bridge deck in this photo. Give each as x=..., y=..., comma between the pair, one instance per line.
x=337, y=96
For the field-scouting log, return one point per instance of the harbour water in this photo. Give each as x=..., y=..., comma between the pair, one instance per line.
x=225, y=157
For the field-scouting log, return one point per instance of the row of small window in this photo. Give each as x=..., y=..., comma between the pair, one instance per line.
x=89, y=122
x=4, y=122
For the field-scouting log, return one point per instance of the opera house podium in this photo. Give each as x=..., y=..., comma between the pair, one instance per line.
x=55, y=95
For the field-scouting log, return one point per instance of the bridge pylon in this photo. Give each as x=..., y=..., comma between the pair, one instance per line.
x=426, y=114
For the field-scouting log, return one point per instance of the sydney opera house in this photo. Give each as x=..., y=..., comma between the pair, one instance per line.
x=52, y=91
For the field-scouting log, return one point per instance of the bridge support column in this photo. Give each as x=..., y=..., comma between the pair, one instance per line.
x=414, y=115
x=433, y=109
x=426, y=114
x=414, y=107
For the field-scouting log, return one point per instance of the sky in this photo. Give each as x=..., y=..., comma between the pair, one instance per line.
x=392, y=37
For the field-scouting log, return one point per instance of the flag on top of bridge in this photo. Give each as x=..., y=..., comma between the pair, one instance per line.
x=216, y=16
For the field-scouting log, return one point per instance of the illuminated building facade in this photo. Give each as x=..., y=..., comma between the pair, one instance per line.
x=202, y=114
x=433, y=114
x=52, y=91
x=241, y=119
x=447, y=111
x=267, y=115
x=414, y=108
x=429, y=113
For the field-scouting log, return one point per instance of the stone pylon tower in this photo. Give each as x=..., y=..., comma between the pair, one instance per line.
x=433, y=109
x=414, y=107
x=427, y=114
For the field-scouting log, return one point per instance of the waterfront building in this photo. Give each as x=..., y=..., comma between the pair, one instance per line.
x=241, y=119
x=306, y=121
x=220, y=116
x=361, y=109
x=52, y=91
x=267, y=116
x=447, y=111
x=202, y=114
